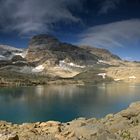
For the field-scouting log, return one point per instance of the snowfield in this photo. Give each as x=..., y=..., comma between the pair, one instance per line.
x=68, y=66
x=102, y=74
x=37, y=69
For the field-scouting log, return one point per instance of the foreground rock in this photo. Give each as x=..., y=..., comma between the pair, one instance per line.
x=124, y=125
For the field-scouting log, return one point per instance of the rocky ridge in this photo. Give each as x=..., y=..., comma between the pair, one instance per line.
x=103, y=54
x=47, y=56
x=46, y=47
x=7, y=52
x=124, y=125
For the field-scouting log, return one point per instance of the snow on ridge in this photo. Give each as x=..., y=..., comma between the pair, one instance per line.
x=102, y=62
x=117, y=79
x=5, y=49
x=22, y=54
x=39, y=68
x=102, y=74
x=132, y=77
x=74, y=65
x=2, y=57
x=10, y=48
x=66, y=65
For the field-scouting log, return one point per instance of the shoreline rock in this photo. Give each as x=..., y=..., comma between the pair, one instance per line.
x=124, y=125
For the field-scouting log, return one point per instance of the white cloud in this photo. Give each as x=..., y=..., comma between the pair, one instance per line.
x=117, y=34
x=128, y=58
x=108, y=5
x=27, y=16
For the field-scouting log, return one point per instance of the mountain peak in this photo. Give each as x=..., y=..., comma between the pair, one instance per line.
x=42, y=39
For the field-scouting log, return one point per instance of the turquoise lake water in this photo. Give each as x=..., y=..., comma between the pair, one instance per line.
x=64, y=103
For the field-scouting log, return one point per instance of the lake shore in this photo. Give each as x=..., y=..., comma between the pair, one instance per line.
x=124, y=125
x=127, y=74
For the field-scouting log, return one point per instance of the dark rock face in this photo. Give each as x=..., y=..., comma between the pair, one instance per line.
x=17, y=58
x=103, y=54
x=44, y=47
x=43, y=41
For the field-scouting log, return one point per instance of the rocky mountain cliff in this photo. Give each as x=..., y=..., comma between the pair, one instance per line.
x=44, y=47
x=47, y=56
x=103, y=54
x=62, y=59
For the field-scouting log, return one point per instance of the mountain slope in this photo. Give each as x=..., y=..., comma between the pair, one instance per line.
x=7, y=52
x=51, y=56
x=47, y=57
x=103, y=54
x=44, y=47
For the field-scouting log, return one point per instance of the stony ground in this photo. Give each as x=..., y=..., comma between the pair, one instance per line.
x=124, y=125
x=128, y=72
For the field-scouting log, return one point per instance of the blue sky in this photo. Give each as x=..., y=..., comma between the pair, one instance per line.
x=110, y=24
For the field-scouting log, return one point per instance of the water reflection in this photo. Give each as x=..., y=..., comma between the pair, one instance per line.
x=64, y=103
x=61, y=91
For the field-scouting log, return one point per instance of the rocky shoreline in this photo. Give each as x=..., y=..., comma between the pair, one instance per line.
x=124, y=125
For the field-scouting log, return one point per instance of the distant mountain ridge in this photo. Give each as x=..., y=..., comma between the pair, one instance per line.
x=103, y=54
x=7, y=52
x=45, y=46
x=46, y=54
x=47, y=60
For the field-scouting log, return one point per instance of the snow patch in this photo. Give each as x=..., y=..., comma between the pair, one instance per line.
x=132, y=77
x=10, y=48
x=103, y=62
x=22, y=54
x=103, y=75
x=2, y=57
x=66, y=65
x=39, y=68
x=117, y=79
x=9, y=52
x=74, y=65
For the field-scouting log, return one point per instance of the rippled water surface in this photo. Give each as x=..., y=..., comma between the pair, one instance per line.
x=64, y=103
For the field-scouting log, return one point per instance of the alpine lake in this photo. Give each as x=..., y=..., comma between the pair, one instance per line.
x=65, y=102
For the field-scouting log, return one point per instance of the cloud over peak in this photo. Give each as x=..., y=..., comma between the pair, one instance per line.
x=27, y=16
x=107, y=5
x=116, y=34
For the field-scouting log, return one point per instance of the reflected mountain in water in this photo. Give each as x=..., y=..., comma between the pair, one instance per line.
x=64, y=103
